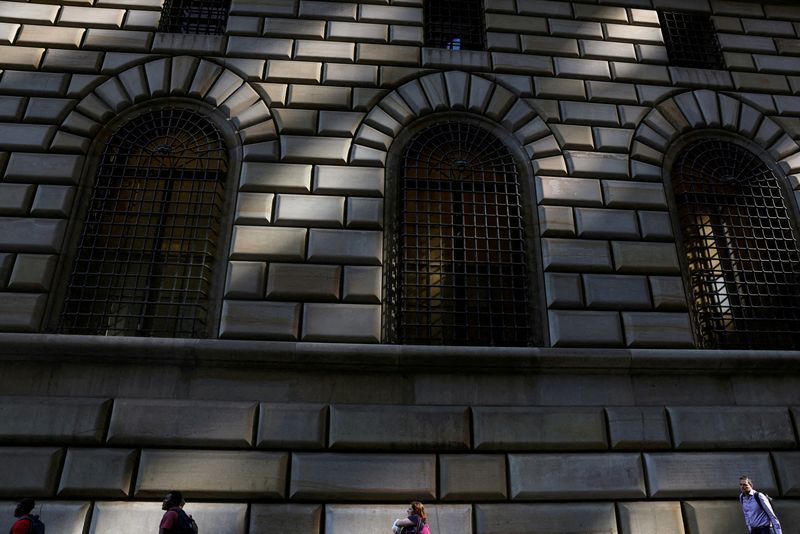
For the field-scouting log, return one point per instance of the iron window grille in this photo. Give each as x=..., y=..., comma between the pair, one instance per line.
x=454, y=24
x=741, y=248
x=691, y=40
x=205, y=17
x=145, y=256
x=461, y=266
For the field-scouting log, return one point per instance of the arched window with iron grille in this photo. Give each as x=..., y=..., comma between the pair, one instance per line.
x=144, y=260
x=460, y=270
x=204, y=17
x=741, y=248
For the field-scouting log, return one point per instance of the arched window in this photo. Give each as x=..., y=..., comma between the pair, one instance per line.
x=145, y=256
x=741, y=248
x=207, y=17
x=462, y=270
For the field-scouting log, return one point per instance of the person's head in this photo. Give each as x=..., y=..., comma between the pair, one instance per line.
x=172, y=499
x=745, y=484
x=417, y=508
x=24, y=507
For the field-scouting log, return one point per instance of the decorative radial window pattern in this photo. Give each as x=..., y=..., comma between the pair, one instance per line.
x=454, y=24
x=206, y=17
x=144, y=261
x=741, y=248
x=462, y=269
x=691, y=40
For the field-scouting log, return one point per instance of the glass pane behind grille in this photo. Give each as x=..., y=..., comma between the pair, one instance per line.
x=463, y=269
x=144, y=260
x=454, y=24
x=744, y=266
x=691, y=40
x=206, y=17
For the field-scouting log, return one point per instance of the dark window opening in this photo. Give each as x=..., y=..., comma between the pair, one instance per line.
x=454, y=24
x=462, y=270
x=741, y=248
x=145, y=256
x=205, y=17
x=691, y=40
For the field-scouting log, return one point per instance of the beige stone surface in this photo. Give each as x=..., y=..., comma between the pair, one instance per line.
x=137, y=517
x=367, y=519
x=519, y=428
x=637, y=428
x=97, y=473
x=33, y=420
x=550, y=518
x=713, y=517
x=650, y=518
x=212, y=474
x=60, y=517
x=29, y=471
x=472, y=477
x=363, y=477
x=182, y=423
x=285, y=518
x=705, y=474
x=726, y=427
x=297, y=425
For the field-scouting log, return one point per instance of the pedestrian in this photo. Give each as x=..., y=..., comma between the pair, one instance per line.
x=175, y=520
x=416, y=521
x=758, y=513
x=26, y=523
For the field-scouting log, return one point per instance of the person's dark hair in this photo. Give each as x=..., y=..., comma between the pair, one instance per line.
x=417, y=508
x=24, y=507
x=176, y=497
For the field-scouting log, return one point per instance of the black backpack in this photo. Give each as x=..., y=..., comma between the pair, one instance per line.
x=185, y=525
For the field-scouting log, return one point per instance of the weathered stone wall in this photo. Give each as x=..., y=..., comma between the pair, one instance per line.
x=315, y=94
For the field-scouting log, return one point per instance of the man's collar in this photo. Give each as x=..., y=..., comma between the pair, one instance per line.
x=751, y=492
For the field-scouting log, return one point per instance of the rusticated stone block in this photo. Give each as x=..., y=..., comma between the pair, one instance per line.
x=268, y=243
x=576, y=328
x=638, y=428
x=245, y=280
x=303, y=282
x=26, y=234
x=363, y=477
x=361, y=519
x=568, y=191
x=29, y=420
x=788, y=469
x=260, y=320
x=713, y=517
x=650, y=518
x=209, y=474
x=576, y=476
x=183, y=423
x=616, y=292
x=464, y=477
x=335, y=322
x=724, y=427
x=32, y=272
x=550, y=518
x=656, y=329
x=21, y=312
x=594, y=223
x=139, y=517
x=266, y=177
x=517, y=429
x=301, y=426
x=649, y=258
x=297, y=148
x=309, y=210
x=695, y=474
x=29, y=471
x=399, y=427
x=285, y=518
x=355, y=247
x=97, y=473
x=580, y=255
x=59, y=516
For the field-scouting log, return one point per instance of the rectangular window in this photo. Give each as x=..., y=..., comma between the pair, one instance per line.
x=691, y=40
x=454, y=24
x=204, y=17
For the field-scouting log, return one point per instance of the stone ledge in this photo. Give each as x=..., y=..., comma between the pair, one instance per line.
x=363, y=357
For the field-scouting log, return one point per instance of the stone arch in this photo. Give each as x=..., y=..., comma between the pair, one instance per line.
x=182, y=76
x=704, y=109
x=455, y=91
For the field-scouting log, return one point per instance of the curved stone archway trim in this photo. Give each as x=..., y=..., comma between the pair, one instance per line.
x=462, y=92
x=704, y=109
x=182, y=76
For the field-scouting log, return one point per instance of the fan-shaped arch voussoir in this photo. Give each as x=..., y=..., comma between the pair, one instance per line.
x=455, y=91
x=695, y=110
x=182, y=76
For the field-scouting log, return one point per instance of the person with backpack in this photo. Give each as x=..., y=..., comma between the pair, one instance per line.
x=415, y=523
x=758, y=513
x=26, y=523
x=175, y=520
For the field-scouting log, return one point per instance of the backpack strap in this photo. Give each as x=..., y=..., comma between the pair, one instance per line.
x=761, y=505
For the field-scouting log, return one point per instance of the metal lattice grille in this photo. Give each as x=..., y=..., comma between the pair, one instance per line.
x=744, y=267
x=691, y=40
x=463, y=270
x=206, y=17
x=454, y=24
x=144, y=260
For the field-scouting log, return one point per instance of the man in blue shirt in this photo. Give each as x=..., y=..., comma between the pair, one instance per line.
x=758, y=514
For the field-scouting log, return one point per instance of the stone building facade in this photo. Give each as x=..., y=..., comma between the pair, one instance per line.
x=532, y=262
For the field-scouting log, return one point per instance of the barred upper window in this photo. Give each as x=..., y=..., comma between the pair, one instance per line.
x=207, y=17
x=691, y=40
x=454, y=24
x=144, y=260
x=461, y=266
x=741, y=248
